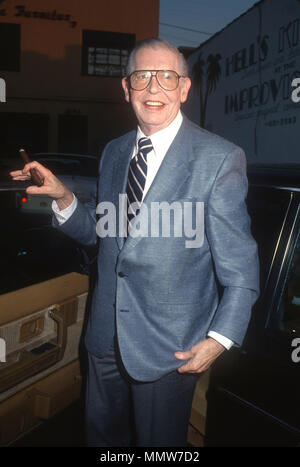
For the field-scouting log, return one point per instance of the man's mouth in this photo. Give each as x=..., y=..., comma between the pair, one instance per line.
x=154, y=104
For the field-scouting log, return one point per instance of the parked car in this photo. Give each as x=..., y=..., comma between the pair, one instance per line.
x=78, y=172
x=42, y=304
x=253, y=394
x=43, y=296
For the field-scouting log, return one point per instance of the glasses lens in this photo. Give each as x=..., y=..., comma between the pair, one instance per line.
x=168, y=80
x=140, y=79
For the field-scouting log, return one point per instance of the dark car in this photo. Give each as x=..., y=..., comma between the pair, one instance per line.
x=253, y=395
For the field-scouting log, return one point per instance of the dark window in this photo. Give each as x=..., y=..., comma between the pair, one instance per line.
x=267, y=208
x=32, y=254
x=73, y=134
x=20, y=130
x=105, y=53
x=290, y=302
x=84, y=167
x=10, y=38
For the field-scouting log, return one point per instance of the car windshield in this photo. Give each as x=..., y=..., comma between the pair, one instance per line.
x=85, y=167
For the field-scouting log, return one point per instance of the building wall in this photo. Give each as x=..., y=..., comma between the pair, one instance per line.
x=51, y=84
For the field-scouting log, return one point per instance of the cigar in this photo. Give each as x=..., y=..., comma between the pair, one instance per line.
x=37, y=180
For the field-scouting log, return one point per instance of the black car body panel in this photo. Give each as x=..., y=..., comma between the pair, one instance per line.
x=253, y=392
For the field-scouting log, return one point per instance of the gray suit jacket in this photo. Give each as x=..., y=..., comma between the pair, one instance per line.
x=158, y=294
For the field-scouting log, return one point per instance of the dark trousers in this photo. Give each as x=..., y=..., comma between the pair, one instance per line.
x=123, y=412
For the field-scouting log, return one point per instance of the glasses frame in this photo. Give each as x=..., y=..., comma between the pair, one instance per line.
x=153, y=73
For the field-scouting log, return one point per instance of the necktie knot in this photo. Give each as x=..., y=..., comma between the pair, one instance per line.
x=144, y=147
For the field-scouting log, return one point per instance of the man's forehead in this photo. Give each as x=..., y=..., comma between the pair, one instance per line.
x=155, y=58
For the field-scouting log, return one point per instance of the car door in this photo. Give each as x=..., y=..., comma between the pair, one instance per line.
x=253, y=394
x=42, y=311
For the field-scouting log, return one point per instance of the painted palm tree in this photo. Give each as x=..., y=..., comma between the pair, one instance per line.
x=198, y=75
x=212, y=77
x=213, y=71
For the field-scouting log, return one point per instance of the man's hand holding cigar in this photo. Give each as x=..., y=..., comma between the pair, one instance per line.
x=51, y=186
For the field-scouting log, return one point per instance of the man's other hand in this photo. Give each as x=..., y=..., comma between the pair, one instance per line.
x=200, y=356
x=52, y=186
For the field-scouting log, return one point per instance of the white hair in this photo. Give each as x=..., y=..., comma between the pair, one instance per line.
x=156, y=44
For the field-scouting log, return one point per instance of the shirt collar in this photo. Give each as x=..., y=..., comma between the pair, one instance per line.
x=162, y=139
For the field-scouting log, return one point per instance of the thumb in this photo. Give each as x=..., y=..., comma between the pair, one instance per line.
x=35, y=190
x=184, y=355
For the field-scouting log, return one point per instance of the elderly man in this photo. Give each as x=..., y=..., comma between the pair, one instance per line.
x=163, y=309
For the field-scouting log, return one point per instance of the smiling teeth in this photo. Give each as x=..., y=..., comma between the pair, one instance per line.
x=154, y=103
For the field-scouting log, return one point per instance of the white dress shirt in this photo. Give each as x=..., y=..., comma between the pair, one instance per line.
x=161, y=141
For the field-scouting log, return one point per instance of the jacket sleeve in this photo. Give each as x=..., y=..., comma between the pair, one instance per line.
x=234, y=250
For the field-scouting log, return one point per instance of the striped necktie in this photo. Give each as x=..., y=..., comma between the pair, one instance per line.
x=137, y=178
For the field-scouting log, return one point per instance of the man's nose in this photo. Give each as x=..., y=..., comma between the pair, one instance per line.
x=153, y=86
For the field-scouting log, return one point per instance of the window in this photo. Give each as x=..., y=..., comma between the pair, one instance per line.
x=33, y=254
x=70, y=165
x=105, y=53
x=73, y=134
x=267, y=208
x=290, y=303
x=21, y=130
x=10, y=38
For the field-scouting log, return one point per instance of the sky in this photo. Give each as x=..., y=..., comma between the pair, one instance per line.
x=204, y=16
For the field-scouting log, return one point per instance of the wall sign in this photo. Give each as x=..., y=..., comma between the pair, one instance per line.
x=242, y=82
x=54, y=15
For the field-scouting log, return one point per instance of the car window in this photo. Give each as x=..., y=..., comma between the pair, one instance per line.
x=35, y=254
x=61, y=167
x=31, y=250
x=289, y=308
x=267, y=208
x=85, y=167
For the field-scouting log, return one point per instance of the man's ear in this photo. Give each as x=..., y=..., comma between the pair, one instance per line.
x=126, y=89
x=185, y=89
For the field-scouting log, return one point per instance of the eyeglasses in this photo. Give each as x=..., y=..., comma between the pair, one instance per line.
x=167, y=79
